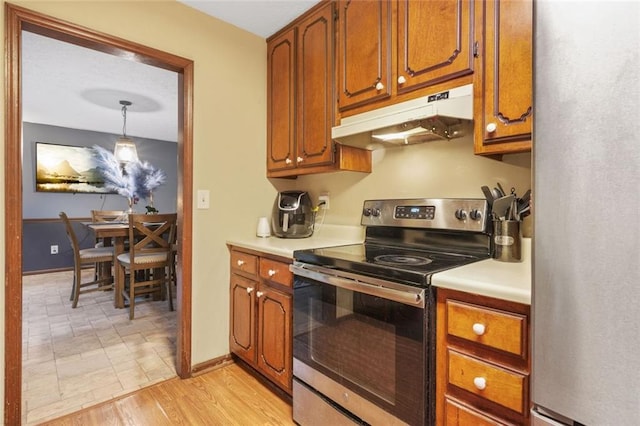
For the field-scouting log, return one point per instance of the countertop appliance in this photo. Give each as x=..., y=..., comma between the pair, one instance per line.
x=586, y=243
x=363, y=334
x=293, y=215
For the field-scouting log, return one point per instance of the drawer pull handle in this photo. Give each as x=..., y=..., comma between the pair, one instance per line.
x=249, y=289
x=480, y=382
x=379, y=86
x=259, y=294
x=240, y=262
x=272, y=272
x=478, y=329
x=491, y=127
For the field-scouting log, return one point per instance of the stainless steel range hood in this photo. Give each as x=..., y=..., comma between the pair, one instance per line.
x=443, y=115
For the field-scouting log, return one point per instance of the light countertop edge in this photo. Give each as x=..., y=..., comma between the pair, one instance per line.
x=324, y=236
x=501, y=280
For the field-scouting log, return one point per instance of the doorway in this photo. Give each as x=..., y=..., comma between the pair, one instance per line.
x=19, y=19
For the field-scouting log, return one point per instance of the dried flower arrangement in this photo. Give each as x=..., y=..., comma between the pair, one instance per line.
x=137, y=179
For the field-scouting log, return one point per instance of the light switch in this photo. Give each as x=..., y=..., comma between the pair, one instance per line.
x=203, y=198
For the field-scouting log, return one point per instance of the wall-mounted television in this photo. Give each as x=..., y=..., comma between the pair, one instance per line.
x=66, y=168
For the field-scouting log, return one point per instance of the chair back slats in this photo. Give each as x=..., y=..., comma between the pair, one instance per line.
x=107, y=215
x=70, y=234
x=150, y=234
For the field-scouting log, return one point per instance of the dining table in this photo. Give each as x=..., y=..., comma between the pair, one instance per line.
x=113, y=233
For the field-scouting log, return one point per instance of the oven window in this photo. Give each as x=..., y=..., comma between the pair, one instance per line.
x=373, y=346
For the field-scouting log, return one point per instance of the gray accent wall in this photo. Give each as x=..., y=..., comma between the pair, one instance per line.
x=42, y=227
x=42, y=205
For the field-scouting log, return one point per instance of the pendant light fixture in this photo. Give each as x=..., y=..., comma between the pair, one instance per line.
x=125, y=150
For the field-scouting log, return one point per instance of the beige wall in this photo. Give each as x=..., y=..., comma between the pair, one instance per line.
x=229, y=147
x=438, y=169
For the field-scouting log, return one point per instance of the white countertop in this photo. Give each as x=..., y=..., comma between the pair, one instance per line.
x=502, y=280
x=324, y=235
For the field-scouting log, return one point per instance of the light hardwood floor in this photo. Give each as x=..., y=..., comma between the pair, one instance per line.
x=226, y=396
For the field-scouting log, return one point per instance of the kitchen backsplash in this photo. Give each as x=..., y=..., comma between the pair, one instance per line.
x=438, y=169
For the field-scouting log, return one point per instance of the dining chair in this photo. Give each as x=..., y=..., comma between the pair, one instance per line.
x=100, y=257
x=107, y=215
x=148, y=261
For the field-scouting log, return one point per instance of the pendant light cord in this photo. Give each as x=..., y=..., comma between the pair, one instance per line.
x=124, y=125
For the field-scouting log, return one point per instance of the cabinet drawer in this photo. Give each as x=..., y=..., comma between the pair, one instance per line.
x=244, y=263
x=488, y=381
x=460, y=415
x=277, y=272
x=497, y=329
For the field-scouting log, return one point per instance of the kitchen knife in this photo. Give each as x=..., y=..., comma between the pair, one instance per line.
x=488, y=195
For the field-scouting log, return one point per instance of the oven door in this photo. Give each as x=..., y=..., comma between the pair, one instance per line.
x=365, y=344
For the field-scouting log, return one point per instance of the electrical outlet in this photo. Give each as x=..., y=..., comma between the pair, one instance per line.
x=54, y=249
x=324, y=198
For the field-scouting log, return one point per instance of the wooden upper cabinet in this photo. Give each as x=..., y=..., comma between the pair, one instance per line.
x=301, y=100
x=315, y=97
x=281, y=89
x=506, y=84
x=364, y=51
x=435, y=42
x=387, y=49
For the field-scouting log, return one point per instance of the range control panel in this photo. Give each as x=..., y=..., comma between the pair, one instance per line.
x=463, y=214
x=415, y=212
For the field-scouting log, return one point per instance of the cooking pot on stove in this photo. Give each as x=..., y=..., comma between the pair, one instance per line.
x=292, y=215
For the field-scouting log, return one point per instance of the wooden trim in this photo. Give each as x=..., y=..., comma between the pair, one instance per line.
x=16, y=20
x=212, y=364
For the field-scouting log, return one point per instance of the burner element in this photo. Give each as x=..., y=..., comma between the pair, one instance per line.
x=401, y=260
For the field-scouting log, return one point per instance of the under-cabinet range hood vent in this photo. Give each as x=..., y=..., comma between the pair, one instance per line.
x=441, y=116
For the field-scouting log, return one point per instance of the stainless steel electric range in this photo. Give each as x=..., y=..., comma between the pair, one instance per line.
x=364, y=314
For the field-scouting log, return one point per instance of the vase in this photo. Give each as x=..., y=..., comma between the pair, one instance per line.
x=131, y=203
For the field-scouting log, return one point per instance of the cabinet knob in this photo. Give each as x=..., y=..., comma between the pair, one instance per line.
x=379, y=86
x=287, y=161
x=480, y=382
x=272, y=272
x=478, y=329
x=240, y=262
x=259, y=294
x=249, y=289
x=402, y=80
x=300, y=159
x=491, y=127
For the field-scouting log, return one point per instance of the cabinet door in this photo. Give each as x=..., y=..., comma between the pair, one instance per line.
x=364, y=52
x=274, y=335
x=243, y=326
x=315, y=106
x=435, y=42
x=507, y=79
x=281, y=95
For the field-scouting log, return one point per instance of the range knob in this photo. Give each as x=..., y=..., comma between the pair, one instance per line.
x=375, y=212
x=461, y=214
x=475, y=214
x=366, y=212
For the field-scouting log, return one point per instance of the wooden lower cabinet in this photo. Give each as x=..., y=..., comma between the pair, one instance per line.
x=261, y=314
x=483, y=360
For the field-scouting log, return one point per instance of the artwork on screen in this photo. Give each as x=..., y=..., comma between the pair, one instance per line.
x=65, y=168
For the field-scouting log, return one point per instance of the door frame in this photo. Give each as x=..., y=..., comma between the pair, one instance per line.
x=18, y=19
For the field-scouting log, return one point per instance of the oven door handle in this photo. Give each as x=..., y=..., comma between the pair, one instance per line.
x=412, y=296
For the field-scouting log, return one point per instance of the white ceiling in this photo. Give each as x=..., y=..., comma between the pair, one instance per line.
x=79, y=88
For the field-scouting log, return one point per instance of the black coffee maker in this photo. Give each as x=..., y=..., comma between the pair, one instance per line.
x=293, y=215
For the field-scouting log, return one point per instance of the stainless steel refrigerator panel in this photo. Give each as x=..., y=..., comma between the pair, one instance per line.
x=586, y=156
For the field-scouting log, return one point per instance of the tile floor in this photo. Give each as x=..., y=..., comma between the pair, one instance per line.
x=75, y=358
